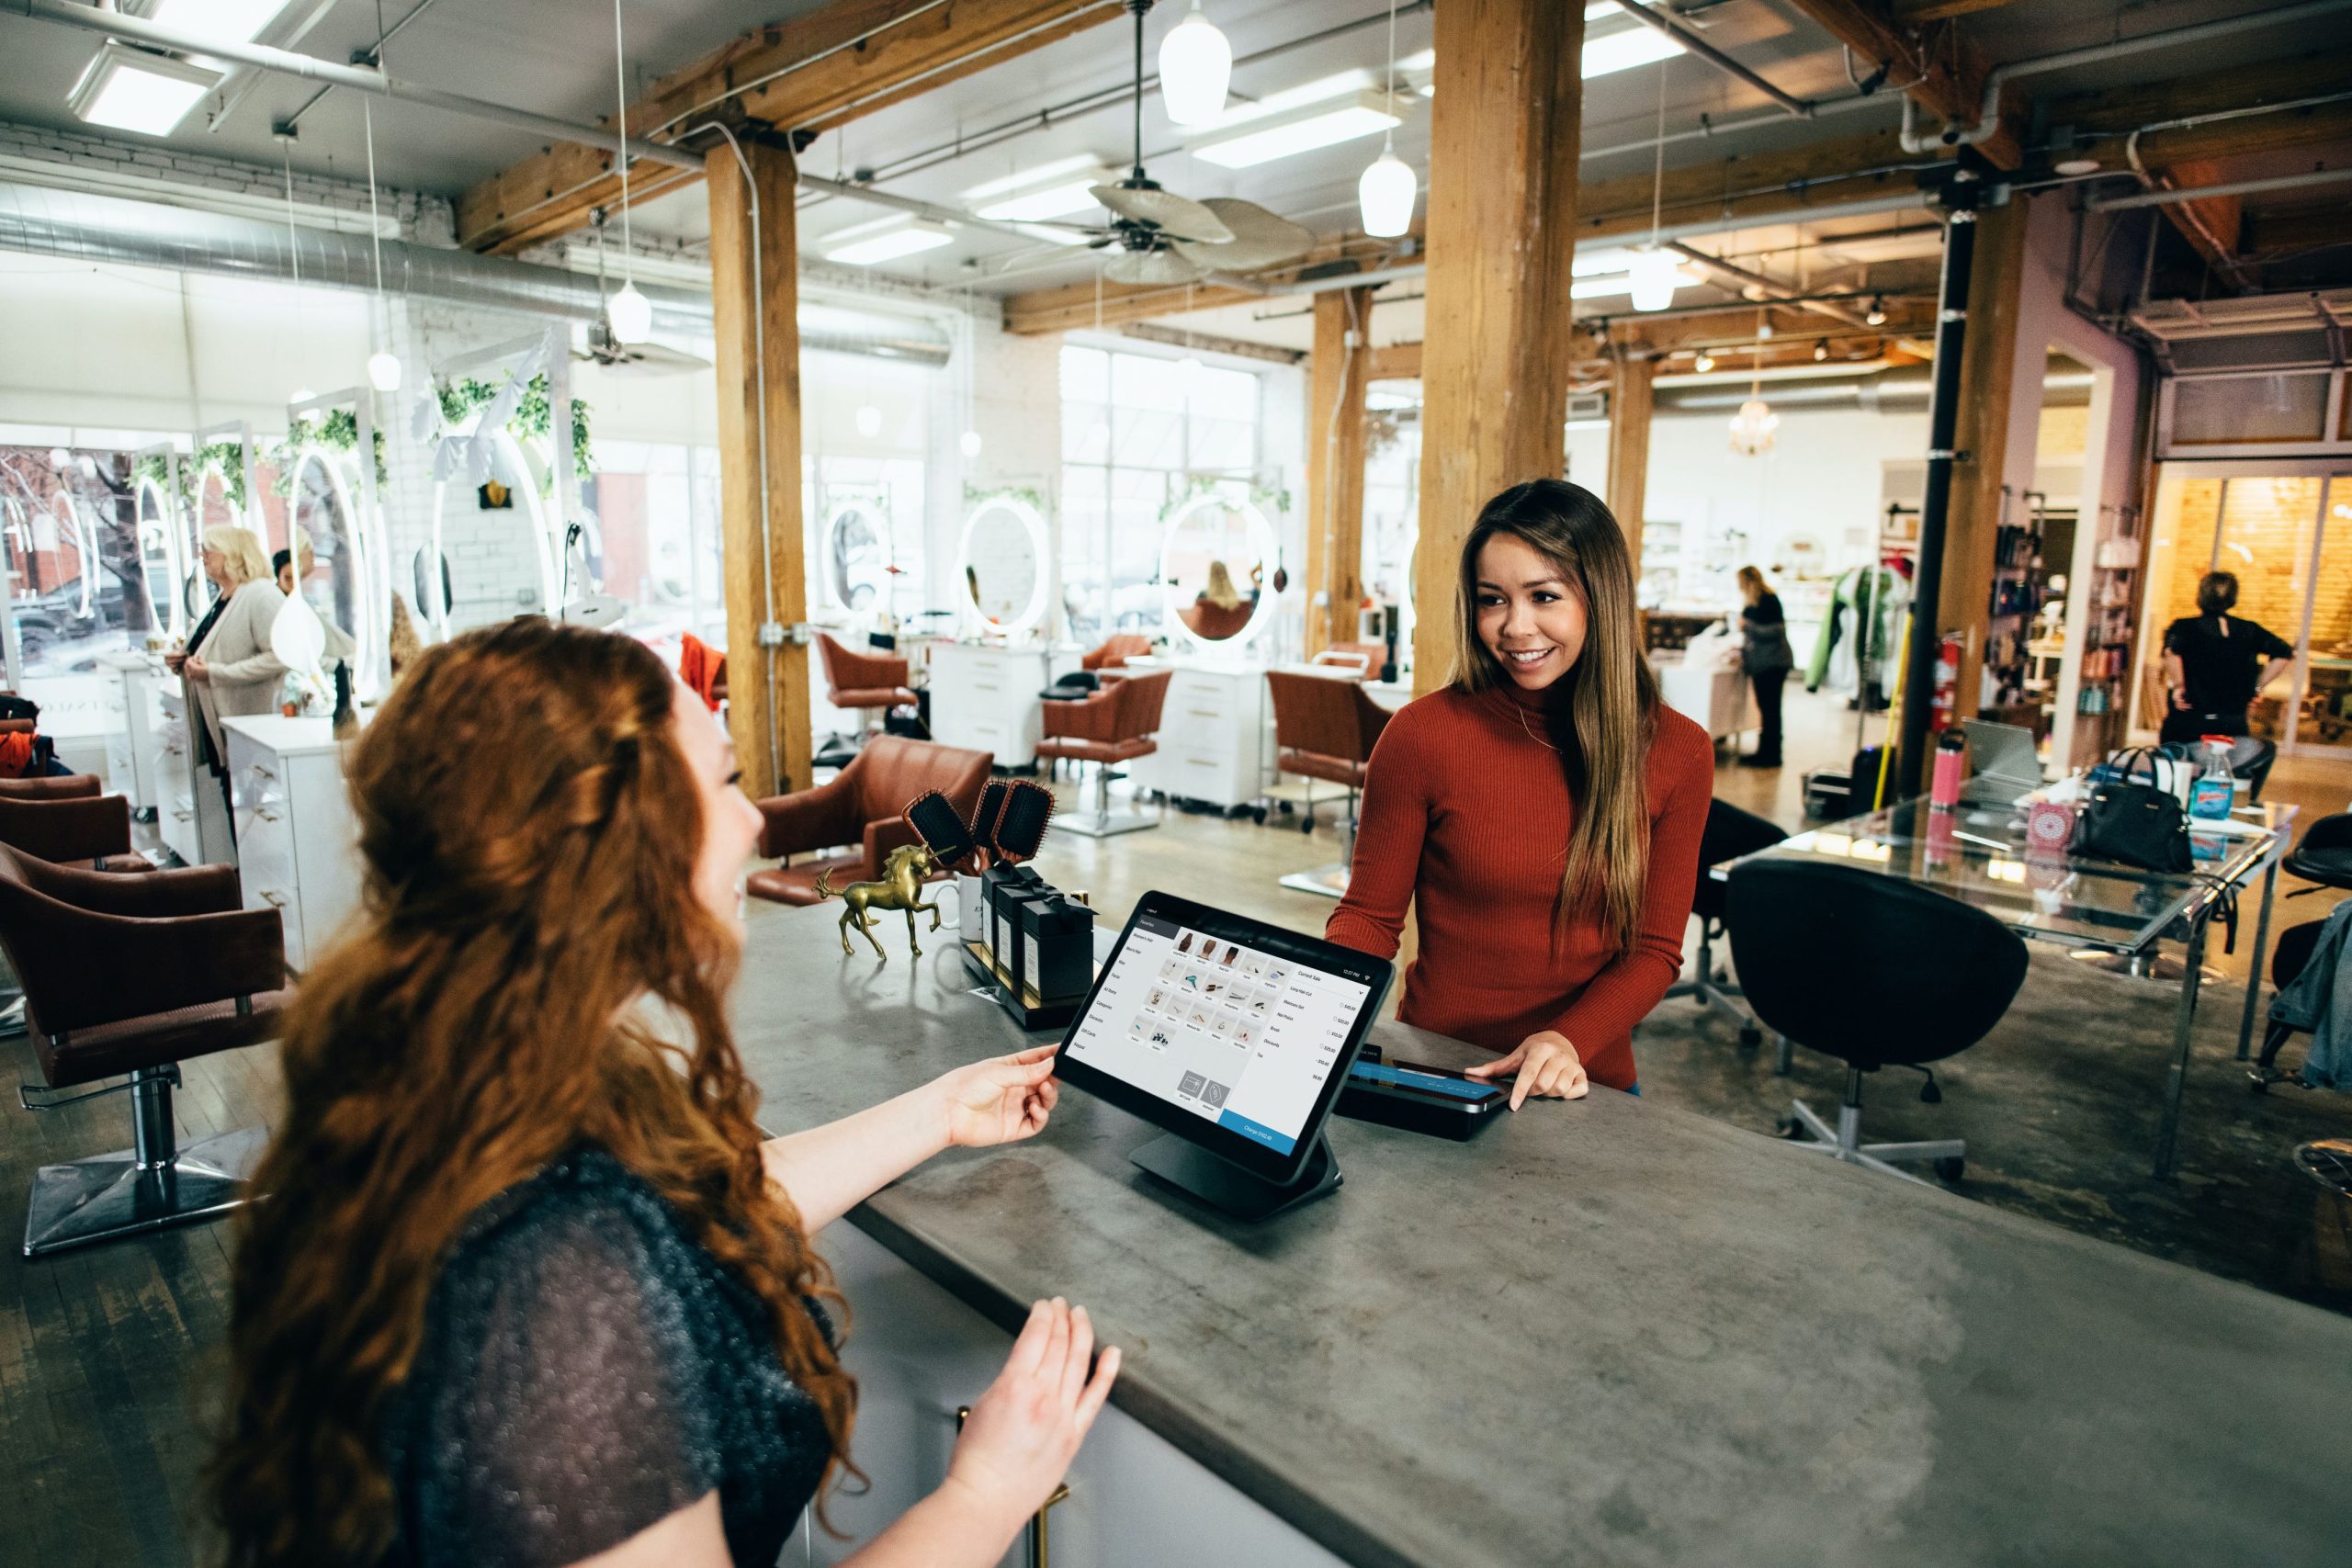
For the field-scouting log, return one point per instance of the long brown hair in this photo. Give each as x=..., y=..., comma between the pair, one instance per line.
x=1612, y=705
x=531, y=828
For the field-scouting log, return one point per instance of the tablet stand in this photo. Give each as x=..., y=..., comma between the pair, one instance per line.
x=1226, y=1187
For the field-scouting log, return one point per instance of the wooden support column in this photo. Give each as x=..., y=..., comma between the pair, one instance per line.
x=1335, y=436
x=1503, y=219
x=754, y=293
x=1631, y=380
x=1988, y=374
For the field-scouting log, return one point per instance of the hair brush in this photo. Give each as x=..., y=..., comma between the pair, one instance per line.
x=984, y=815
x=947, y=836
x=1020, y=831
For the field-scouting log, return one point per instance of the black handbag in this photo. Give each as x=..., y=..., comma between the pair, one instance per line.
x=2135, y=824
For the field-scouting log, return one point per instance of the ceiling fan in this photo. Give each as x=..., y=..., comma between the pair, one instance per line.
x=1165, y=238
x=605, y=349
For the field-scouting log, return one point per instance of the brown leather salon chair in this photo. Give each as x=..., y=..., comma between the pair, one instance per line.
x=67, y=821
x=1115, y=651
x=1324, y=727
x=1363, y=658
x=1115, y=724
x=861, y=807
x=133, y=975
x=865, y=682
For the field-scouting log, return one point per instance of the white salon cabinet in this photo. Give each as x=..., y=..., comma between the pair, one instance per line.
x=191, y=815
x=134, y=724
x=298, y=841
x=985, y=698
x=1214, y=735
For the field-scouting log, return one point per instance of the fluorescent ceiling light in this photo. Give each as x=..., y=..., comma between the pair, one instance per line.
x=1604, y=287
x=233, y=21
x=1056, y=236
x=1054, y=172
x=1253, y=142
x=1059, y=199
x=129, y=89
x=895, y=241
x=1637, y=45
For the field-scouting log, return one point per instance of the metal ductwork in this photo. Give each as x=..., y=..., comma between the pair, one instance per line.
x=79, y=226
x=1896, y=391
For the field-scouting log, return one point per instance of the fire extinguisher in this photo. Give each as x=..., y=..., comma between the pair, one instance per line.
x=1940, y=710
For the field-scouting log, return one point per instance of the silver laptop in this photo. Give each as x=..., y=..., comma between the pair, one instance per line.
x=2003, y=762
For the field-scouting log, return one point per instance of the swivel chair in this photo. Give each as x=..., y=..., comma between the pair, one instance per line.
x=863, y=683
x=1115, y=651
x=135, y=975
x=1324, y=727
x=2322, y=855
x=1875, y=972
x=1729, y=834
x=862, y=807
x=67, y=821
x=1106, y=727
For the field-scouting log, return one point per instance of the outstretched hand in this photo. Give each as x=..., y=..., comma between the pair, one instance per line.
x=1000, y=1101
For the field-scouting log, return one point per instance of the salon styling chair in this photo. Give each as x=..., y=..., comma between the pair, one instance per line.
x=128, y=977
x=862, y=807
x=1324, y=727
x=1115, y=724
x=867, y=683
x=1875, y=972
x=1729, y=834
x=67, y=821
x=1115, y=651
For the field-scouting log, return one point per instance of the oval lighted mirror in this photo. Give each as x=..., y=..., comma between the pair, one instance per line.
x=857, y=574
x=1213, y=561
x=513, y=487
x=1004, y=559
x=334, y=579
x=159, y=565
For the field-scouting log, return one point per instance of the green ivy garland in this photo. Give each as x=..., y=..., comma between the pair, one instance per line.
x=228, y=456
x=974, y=495
x=1265, y=497
x=533, y=413
x=338, y=431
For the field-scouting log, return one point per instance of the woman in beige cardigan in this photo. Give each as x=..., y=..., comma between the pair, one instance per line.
x=229, y=667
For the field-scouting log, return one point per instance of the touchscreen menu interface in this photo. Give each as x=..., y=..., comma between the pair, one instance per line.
x=1236, y=1035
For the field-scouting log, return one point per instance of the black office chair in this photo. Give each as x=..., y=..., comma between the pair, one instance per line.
x=2289, y=955
x=1875, y=972
x=2324, y=855
x=1730, y=833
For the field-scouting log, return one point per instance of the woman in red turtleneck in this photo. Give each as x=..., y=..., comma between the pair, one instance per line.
x=1543, y=812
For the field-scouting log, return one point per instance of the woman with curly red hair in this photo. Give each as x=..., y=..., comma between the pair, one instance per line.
x=522, y=1284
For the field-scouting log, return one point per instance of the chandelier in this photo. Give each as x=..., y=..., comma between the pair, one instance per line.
x=1752, y=427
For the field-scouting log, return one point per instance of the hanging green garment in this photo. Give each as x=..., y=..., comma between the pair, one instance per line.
x=1874, y=596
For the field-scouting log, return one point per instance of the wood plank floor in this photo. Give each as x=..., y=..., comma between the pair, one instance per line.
x=109, y=1356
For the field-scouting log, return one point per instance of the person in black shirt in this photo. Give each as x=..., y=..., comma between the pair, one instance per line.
x=2215, y=664
x=1764, y=655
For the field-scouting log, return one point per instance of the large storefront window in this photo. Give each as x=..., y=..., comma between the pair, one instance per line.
x=76, y=584
x=1138, y=434
x=652, y=539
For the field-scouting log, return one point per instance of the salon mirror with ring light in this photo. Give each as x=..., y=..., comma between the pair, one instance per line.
x=1215, y=558
x=1004, y=564
x=326, y=507
x=519, y=471
x=856, y=556
x=159, y=560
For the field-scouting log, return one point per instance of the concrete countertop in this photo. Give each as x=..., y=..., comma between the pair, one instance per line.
x=1604, y=1332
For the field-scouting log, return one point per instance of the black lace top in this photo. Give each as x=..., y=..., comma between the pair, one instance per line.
x=587, y=1370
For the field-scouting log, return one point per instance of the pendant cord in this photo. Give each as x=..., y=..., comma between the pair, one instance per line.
x=375, y=215
x=1139, y=164
x=1657, y=162
x=620, y=127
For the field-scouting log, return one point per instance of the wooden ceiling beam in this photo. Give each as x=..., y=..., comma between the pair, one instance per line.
x=814, y=72
x=2120, y=110
x=1398, y=362
x=1944, y=73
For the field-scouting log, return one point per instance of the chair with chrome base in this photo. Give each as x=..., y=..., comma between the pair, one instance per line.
x=1875, y=972
x=1115, y=724
x=1729, y=834
x=134, y=976
x=1324, y=727
x=865, y=683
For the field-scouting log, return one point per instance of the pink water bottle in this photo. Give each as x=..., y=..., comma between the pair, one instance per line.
x=1951, y=766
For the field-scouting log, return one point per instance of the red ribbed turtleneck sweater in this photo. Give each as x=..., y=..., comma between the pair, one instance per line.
x=1466, y=813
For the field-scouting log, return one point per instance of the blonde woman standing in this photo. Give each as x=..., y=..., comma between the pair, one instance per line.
x=229, y=667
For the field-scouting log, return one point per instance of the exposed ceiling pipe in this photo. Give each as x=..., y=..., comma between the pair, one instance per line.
x=1906, y=388
x=138, y=29
x=1988, y=113
x=2234, y=187
x=1689, y=37
x=78, y=226
x=1767, y=288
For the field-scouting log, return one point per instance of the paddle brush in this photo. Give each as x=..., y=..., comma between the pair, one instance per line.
x=1020, y=830
x=947, y=836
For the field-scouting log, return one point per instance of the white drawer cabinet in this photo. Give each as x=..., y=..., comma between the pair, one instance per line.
x=1136, y=1501
x=134, y=720
x=191, y=815
x=297, y=849
x=985, y=698
x=1214, y=737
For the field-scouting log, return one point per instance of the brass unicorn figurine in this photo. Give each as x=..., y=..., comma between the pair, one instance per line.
x=900, y=889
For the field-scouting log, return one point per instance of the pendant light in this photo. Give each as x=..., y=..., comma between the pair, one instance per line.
x=1654, y=272
x=1387, y=189
x=630, y=313
x=383, y=365
x=1196, y=66
x=1752, y=427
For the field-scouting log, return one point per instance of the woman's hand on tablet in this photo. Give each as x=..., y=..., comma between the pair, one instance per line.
x=1546, y=1067
x=1000, y=1101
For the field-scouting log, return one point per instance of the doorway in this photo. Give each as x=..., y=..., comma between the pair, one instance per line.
x=2285, y=529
